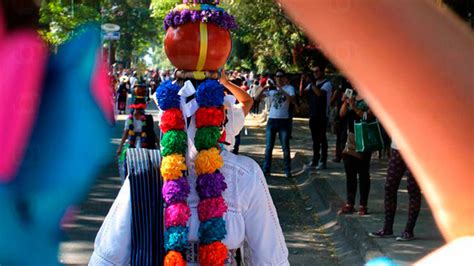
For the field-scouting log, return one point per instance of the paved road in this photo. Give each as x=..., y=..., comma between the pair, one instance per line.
x=307, y=242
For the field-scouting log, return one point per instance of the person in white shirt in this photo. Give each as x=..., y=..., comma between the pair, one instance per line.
x=279, y=120
x=251, y=221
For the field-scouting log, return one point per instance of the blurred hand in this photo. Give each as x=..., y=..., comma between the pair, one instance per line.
x=119, y=151
x=351, y=101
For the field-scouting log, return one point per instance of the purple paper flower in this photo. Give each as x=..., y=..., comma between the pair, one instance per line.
x=217, y=17
x=210, y=185
x=175, y=191
x=177, y=19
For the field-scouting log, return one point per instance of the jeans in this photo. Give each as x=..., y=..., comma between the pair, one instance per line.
x=282, y=127
x=318, y=127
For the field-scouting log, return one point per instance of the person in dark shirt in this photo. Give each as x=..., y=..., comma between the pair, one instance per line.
x=317, y=99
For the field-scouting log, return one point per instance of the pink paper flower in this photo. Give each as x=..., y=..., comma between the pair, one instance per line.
x=177, y=215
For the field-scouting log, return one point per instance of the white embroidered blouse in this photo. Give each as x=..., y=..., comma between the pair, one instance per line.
x=251, y=218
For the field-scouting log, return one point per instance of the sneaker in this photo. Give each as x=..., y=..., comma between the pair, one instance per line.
x=381, y=234
x=406, y=236
x=363, y=210
x=321, y=166
x=309, y=166
x=347, y=209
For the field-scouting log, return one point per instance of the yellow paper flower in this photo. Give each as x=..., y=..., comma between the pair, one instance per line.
x=172, y=166
x=131, y=133
x=208, y=161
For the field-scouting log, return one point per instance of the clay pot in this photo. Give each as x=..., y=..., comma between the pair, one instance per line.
x=183, y=45
x=140, y=91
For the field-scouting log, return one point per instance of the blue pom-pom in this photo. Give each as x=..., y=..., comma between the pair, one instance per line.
x=176, y=238
x=381, y=261
x=210, y=93
x=212, y=230
x=167, y=95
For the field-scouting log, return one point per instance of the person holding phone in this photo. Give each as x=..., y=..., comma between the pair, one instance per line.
x=279, y=121
x=317, y=92
x=356, y=164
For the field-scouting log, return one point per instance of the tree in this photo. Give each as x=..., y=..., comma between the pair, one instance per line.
x=267, y=39
x=58, y=20
x=138, y=29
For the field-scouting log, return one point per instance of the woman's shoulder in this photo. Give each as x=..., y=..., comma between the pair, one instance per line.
x=240, y=161
x=243, y=167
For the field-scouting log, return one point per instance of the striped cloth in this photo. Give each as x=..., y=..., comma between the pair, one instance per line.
x=147, y=207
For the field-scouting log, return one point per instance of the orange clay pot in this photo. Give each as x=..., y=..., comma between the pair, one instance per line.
x=183, y=46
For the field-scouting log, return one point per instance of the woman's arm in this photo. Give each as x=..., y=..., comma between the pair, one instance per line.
x=359, y=112
x=302, y=84
x=292, y=99
x=344, y=107
x=124, y=138
x=241, y=96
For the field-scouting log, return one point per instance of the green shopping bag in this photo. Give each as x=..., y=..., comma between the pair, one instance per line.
x=368, y=136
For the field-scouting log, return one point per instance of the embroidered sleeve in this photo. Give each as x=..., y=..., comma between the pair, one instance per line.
x=262, y=227
x=113, y=242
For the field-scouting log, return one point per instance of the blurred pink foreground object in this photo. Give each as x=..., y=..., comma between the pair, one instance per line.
x=22, y=64
x=414, y=63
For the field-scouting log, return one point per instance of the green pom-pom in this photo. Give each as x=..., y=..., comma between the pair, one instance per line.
x=206, y=138
x=174, y=141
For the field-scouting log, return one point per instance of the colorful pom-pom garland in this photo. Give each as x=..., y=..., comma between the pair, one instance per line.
x=210, y=183
x=176, y=188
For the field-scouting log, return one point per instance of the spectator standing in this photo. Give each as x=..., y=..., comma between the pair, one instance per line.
x=254, y=93
x=340, y=123
x=133, y=79
x=325, y=85
x=317, y=101
x=356, y=164
x=279, y=121
x=395, y=171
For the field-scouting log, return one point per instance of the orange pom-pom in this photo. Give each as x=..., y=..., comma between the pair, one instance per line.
x=174, y=258
x=212, y=254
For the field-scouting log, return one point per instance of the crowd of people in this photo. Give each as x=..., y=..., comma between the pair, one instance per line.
x=333, y=106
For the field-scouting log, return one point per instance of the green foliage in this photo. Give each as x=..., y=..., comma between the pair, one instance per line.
x=266, y=38
x=138, y=28
x=58, y=20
